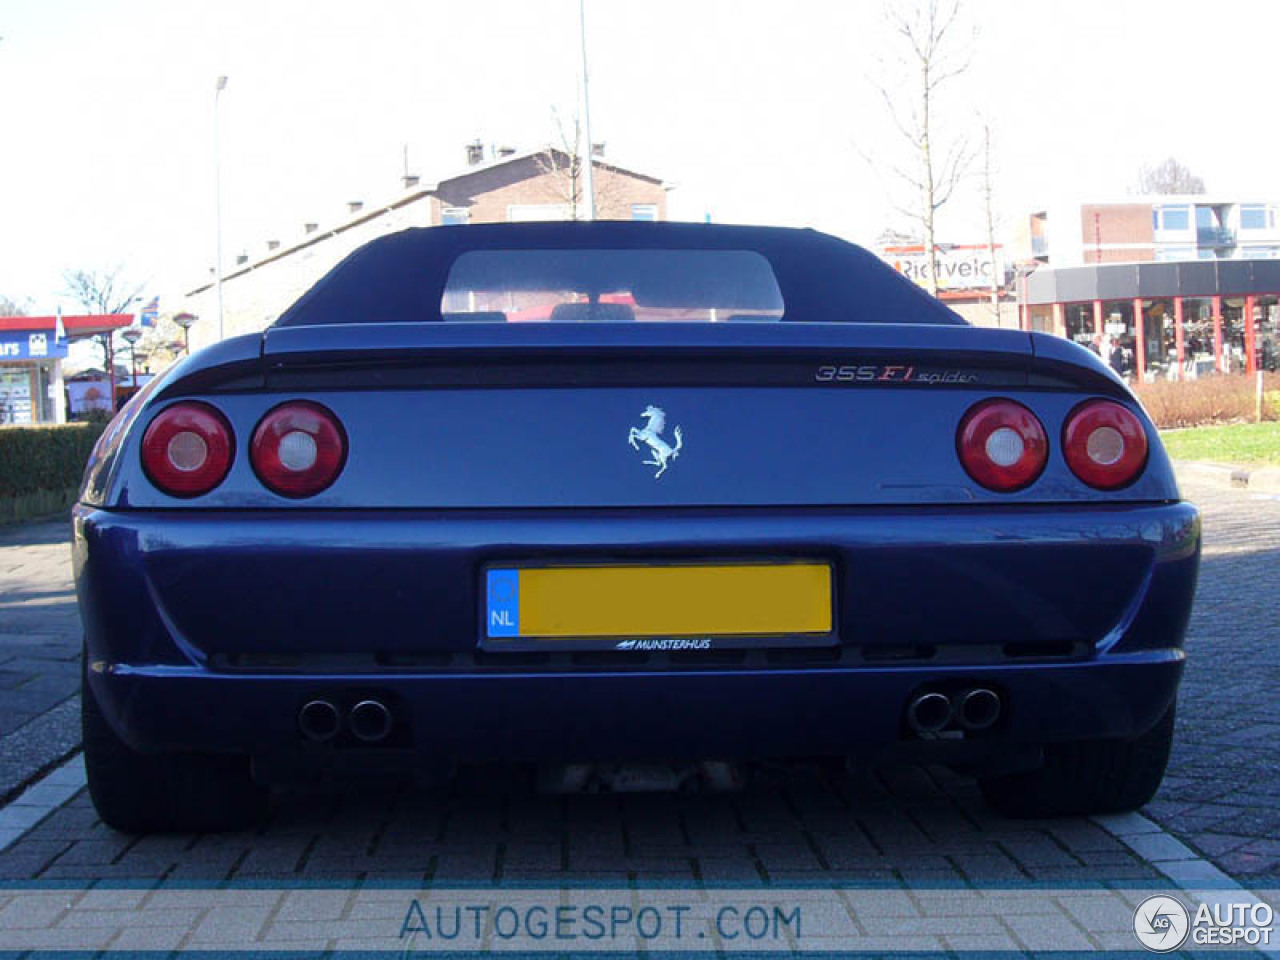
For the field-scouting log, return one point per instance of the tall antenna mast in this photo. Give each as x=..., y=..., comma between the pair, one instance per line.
x=589, y=169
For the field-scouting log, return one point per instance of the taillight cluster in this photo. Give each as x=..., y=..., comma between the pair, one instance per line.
x=1104, y=444
x=187, y=449
x=1004, y=447
x=1002, y=444
x=297, y=449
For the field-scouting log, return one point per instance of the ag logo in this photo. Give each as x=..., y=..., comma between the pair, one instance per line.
x=1161, y=923
x=651, y=434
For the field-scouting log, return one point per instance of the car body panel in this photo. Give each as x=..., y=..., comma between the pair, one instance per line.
x=210, y=620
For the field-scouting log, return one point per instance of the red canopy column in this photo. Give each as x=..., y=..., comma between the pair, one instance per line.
x=1140, y=339
x=1217, y=333
x=1177, y=334
x=1250, y=361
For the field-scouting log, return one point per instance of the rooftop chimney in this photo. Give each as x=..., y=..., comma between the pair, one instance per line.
x=475, y=153
x=504, y=152
x=355, y=206
x=597, y=149
x=241, y=259
x=409, y=180
x=310, y=227
x=273, y=244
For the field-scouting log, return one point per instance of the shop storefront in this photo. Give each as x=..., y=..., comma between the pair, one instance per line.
x=30, y=376
x=1163, y=320
x=31, y=355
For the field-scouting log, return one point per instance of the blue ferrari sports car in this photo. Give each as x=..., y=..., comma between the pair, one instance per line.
x=627, y=493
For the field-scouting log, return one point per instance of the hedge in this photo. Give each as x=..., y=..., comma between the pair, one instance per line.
x=36, y=460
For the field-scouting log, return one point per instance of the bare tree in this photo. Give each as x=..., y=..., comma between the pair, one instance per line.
x=563, y=161
x=12, y=308
x=931, y=53
x=1170, y=177
x=988, y=197
x=104, y=291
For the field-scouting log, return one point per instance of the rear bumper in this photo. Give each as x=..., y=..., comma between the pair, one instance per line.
x=639, y=716
x=170, y=598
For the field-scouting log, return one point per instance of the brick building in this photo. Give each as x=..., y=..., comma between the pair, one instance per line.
x=510, y=186
x=1161, y=228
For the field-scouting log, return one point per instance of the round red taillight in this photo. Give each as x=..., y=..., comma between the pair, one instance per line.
x=1104, y=444
x=1002, y=445
x=298, y=449
x=187, y=449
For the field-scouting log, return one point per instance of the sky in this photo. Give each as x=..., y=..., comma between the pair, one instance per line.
x=753, y=112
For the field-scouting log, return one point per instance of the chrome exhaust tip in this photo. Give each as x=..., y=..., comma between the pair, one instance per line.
x=370, y=721
x=319, y=720
x=928, y=712
x=979, y=708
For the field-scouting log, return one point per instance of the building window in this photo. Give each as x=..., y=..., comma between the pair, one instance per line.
x=644, y=211
x=1171, y=218
x=1259, y=253
x=1256, y=216
x=455, y=216
x=1176, y=253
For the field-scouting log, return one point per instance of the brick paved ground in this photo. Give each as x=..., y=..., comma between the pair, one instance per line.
x=901, y=826
x=1222, y=792
x=39, y=651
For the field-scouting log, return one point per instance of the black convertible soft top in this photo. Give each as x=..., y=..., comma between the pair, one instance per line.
x=401, y=277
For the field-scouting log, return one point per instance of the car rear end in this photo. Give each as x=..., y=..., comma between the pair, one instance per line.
x=368, y=545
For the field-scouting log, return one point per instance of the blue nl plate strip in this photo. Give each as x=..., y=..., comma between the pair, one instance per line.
x=502, y=587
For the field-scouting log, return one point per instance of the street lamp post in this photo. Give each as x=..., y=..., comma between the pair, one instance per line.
x=589, y=169
x=133, y=335
x=185, y=320
x=217, y=191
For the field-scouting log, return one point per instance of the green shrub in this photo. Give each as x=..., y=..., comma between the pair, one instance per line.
x=34, y=459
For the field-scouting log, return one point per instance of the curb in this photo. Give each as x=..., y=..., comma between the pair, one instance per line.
x=1260, y=480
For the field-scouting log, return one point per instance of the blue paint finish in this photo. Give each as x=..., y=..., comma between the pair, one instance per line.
x=474, y=449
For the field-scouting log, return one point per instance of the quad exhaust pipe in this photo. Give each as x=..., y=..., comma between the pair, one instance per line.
x=929, y=712
x=369, y=721
x=319, y=721
x=973, y=709
x=979, y=708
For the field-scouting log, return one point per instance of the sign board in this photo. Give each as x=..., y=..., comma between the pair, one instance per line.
x=30, y=345
x=958, y=267
x=86, y=395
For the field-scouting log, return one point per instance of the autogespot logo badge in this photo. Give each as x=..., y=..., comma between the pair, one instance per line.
x=1161, y=923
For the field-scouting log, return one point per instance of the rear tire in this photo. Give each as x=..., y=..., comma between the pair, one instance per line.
x=1087, y=776
x=156, y=793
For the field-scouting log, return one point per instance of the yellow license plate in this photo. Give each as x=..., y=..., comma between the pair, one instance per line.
x=679, y=600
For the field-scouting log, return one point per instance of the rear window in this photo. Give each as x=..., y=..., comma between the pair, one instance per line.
x=611, y=286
